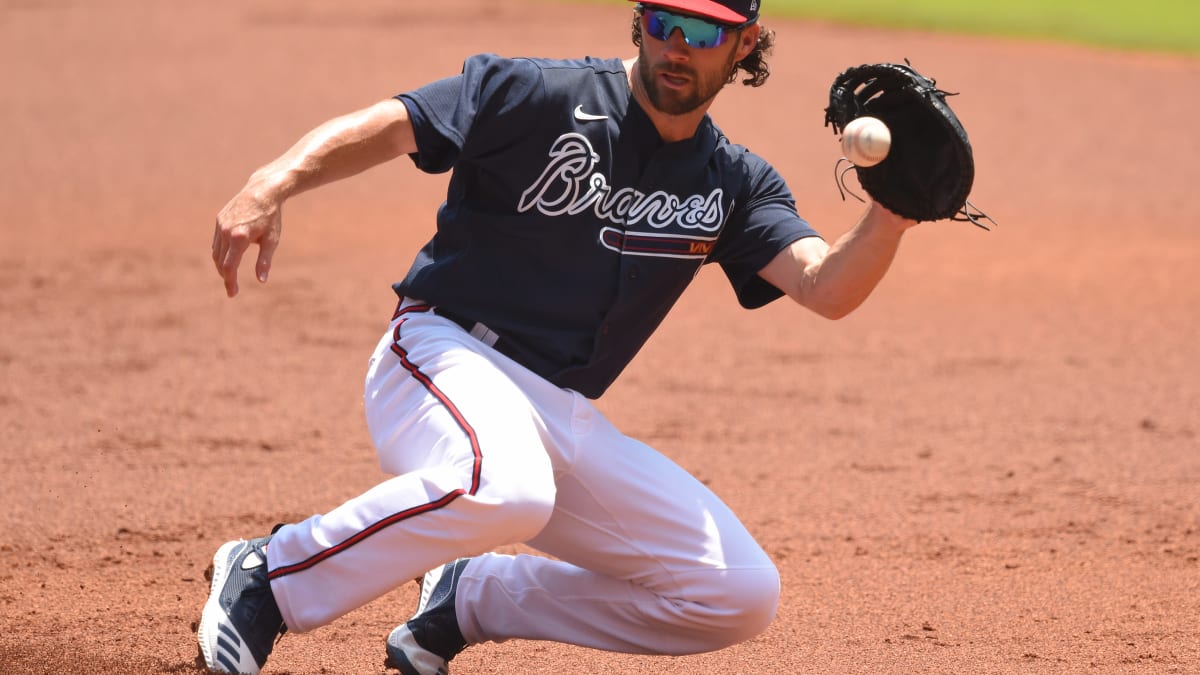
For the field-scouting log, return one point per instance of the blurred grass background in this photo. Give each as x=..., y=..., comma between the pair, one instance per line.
x=1171, y=26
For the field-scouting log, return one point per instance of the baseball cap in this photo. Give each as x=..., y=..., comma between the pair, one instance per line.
x=725, y=11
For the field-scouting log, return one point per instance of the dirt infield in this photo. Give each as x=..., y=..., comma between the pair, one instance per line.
x=993, y=466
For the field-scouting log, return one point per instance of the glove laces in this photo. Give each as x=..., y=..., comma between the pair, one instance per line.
x=968, y=213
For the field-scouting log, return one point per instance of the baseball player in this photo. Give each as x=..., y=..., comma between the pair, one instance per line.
x=584, y=197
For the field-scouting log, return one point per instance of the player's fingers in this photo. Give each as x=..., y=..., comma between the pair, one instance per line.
x=216, y=244
x=221, y=246
x=233, y=248
x=266, y=251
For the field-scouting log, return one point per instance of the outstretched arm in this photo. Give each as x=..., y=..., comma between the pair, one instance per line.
x=834, y=280
x=339, y=148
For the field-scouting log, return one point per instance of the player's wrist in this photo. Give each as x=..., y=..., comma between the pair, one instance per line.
x=886, y=218
x=270, y=185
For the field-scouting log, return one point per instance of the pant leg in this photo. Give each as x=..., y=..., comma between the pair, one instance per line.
x=471, y=474
x=650, y=560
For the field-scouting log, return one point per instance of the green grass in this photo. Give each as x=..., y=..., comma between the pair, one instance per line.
x=1171, y=26
x=1150, y=25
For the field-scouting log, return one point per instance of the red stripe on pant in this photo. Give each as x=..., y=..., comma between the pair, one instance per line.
x=476, y=470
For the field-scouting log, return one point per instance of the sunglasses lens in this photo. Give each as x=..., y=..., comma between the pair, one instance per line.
x=696, y=32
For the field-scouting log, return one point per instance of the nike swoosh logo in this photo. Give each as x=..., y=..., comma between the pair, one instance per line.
x=586, y=117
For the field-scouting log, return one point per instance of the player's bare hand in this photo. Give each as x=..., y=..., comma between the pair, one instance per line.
x=247, y=219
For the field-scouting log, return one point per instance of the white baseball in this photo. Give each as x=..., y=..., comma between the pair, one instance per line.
x=866, y=141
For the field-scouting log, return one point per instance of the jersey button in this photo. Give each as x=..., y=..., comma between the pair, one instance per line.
x=604, y=329
x=633, y=273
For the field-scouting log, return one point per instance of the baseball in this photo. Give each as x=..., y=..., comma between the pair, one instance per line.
x=866, y=141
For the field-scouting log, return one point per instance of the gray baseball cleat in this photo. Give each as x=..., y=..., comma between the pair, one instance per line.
x=241, y=620
x=426, y=643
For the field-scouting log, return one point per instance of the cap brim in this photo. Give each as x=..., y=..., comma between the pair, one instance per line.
x=705, y=8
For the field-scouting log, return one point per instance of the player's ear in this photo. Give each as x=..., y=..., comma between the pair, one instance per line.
x=747, y=40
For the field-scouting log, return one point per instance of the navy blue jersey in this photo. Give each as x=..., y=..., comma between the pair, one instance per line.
x=569, y=227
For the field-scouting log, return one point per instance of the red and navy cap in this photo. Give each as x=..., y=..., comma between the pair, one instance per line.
x=725, y=11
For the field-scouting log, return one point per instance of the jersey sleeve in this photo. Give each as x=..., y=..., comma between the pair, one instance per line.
x=762, y=225
x=477, y=111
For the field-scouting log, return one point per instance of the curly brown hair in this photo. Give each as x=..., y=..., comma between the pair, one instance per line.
x=755, y=63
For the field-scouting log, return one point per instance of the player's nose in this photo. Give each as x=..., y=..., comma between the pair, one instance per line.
x=677, y=44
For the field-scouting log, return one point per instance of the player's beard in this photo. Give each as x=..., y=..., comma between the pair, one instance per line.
x=705, y=87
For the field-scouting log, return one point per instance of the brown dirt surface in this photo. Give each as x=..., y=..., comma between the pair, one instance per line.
x=990, y=467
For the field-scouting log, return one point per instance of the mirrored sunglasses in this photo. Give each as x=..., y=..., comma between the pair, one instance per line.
x=697, y=33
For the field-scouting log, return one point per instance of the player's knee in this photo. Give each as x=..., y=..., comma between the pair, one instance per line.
x=755, y=595
x=519, y=503
x=739, y=605
x=526, y=513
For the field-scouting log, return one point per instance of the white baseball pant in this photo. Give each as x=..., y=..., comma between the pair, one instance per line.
x=485, y=454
